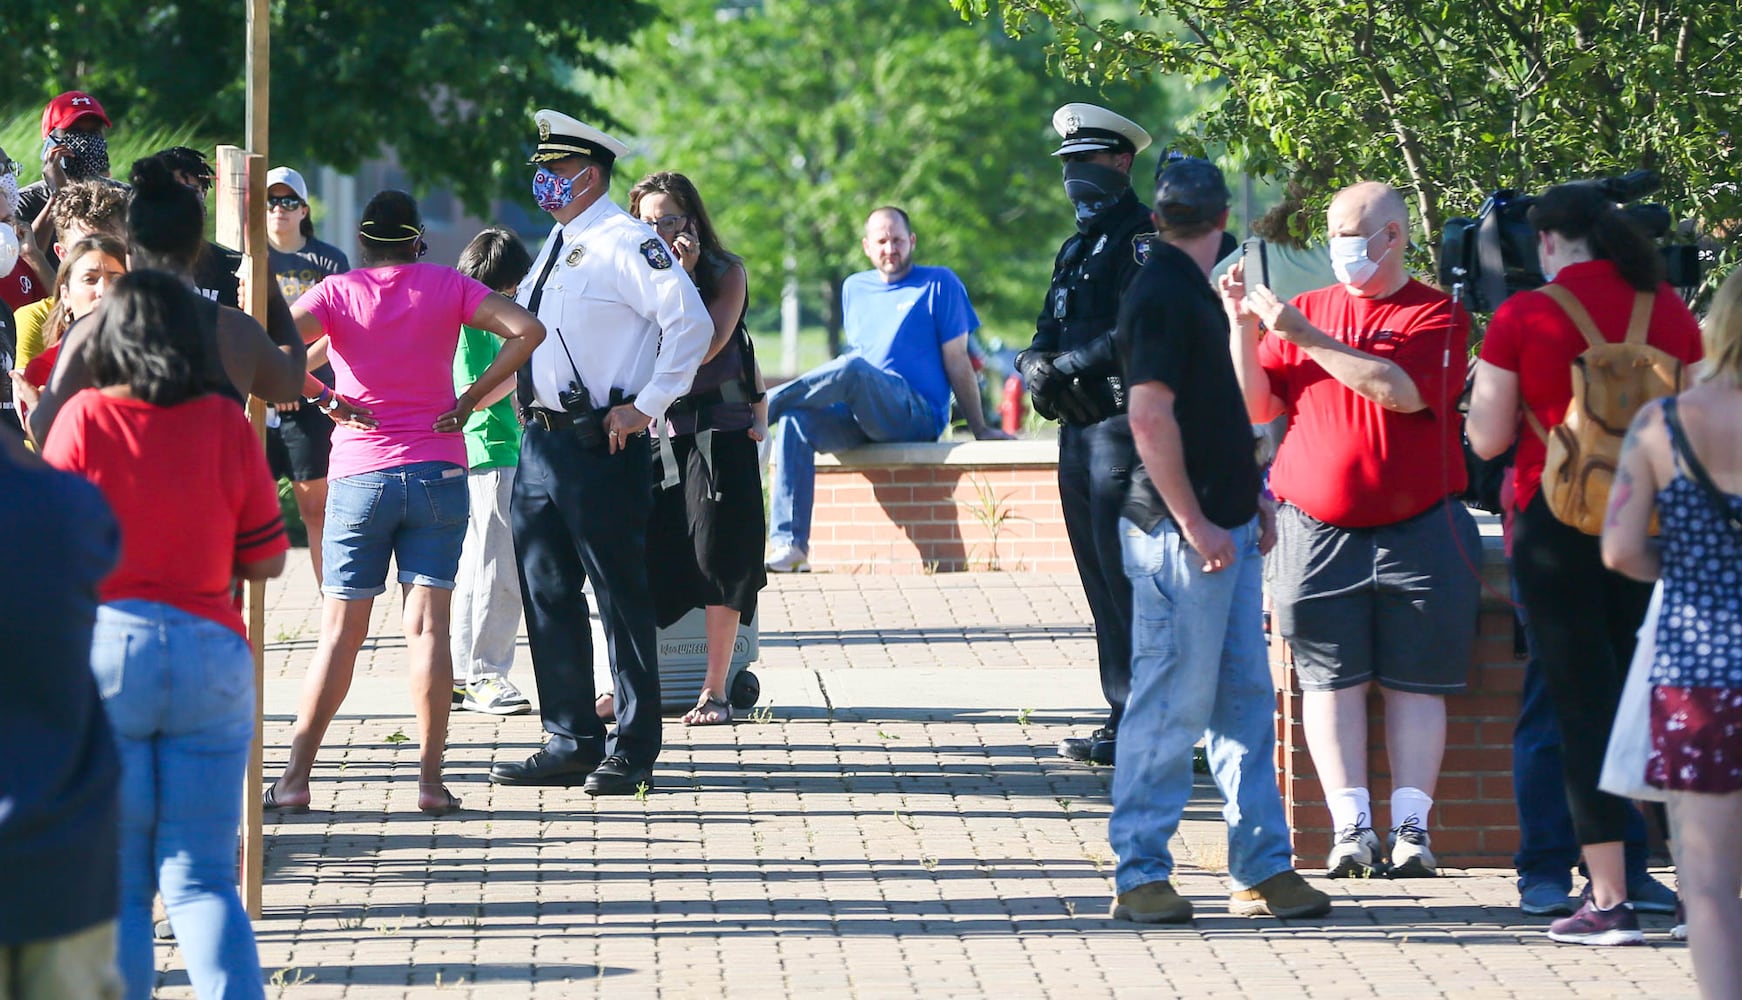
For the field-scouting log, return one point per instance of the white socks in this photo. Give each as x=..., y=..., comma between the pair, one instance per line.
x=1354, y=807
x=1349, y=807
x=1410, y=805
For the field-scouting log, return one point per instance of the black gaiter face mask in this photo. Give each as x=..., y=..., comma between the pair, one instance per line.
x=90, y=154
x=1093, y=189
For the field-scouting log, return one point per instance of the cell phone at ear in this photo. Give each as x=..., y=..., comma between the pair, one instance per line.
x=1257, y=262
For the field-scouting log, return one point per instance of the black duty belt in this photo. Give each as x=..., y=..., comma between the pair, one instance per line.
x=550, y=420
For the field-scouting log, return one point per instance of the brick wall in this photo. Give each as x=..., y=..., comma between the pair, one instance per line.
x=1475, y=820
x=944, y=506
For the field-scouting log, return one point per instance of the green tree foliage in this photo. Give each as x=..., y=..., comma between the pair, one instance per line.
x=448, y=86
x=796, y=118
x=1448, y=99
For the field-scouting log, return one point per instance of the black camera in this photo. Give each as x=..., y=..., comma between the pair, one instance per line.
x=1494, y=254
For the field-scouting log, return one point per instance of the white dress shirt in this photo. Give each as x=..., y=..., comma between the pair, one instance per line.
x=627, y=322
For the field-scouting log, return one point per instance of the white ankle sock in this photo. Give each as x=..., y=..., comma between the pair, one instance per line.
x=1408, y=803
x=1349, y=807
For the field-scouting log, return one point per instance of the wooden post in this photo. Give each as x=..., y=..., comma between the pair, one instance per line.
x=254, y=249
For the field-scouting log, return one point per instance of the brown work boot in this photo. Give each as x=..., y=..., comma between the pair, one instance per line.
x=1155, y=903
x=1284, y=894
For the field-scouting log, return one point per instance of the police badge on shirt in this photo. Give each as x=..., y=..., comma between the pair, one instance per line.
x=1142, y=247
x=657, y=256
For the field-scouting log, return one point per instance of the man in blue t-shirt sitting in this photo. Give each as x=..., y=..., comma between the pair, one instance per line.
x=907, y=328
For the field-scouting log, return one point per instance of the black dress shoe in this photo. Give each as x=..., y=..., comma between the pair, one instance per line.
x=616, y=776
x=546, y=768
x=1095, y=748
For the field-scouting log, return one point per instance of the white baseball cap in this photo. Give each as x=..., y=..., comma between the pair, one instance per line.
x=290, y=179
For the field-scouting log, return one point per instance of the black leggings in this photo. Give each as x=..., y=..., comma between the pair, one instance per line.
x=1582, y=625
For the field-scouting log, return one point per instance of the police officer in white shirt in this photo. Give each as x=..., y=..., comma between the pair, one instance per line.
x=627, y=331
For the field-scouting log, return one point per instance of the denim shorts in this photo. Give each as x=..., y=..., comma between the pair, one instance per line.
x=415, y=513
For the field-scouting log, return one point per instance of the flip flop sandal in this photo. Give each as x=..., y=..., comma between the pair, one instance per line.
x=449, y=805
x=721, y=709
x=269, y=803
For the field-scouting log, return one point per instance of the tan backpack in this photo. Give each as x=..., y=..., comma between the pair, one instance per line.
x=1611, y=383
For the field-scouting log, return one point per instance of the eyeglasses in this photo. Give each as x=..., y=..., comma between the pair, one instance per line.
x=8, y=167
x=670, y=223
x=288, y=202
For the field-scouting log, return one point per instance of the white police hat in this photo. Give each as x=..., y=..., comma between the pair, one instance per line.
x=1090, y=128
x=560, y=136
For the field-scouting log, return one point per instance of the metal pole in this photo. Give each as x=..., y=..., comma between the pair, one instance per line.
x=254, y=249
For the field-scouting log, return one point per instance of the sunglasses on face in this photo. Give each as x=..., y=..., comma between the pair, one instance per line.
x=670, y=223
x=287, y=202
x=8, y=166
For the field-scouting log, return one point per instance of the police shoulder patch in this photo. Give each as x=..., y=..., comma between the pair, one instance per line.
x=1142, y=246
x=657, y=256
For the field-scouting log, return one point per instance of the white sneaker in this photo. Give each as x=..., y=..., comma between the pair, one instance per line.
x=788, y=559
x=1410, y=855
x=1356, y=854
x=494, y=696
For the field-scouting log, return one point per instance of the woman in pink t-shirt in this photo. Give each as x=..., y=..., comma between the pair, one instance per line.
x=396, y=482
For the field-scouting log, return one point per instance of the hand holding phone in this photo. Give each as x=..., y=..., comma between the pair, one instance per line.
x=1257, y=262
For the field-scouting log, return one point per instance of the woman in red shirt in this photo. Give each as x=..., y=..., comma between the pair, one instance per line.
x=187, y=480
x=1581, y=617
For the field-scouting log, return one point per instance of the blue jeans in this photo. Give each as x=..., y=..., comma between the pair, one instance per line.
x=1198, y=668
x=844, y=403
x=1547, y=847
x=179, y=690
x=415, y=513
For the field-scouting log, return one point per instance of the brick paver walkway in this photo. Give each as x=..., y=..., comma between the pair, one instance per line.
x=897, y=826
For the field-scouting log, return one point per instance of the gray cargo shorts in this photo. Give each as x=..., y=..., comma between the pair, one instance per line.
x=1395, y=603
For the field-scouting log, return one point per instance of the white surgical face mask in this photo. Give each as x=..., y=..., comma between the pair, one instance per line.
x=8, y=248
x=1349, y=260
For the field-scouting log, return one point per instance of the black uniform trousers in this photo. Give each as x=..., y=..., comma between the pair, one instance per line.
x=1095, y=466
x=581, y=514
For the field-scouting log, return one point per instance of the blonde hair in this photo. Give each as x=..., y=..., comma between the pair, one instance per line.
x=1721, y=333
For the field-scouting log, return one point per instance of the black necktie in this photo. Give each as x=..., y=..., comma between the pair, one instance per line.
x=523, y=394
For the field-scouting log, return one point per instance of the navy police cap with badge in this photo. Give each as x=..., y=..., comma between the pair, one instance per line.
x=1090, y=128
x=560, y=137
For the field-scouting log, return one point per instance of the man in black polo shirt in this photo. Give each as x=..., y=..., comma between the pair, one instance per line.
x=1191, y=545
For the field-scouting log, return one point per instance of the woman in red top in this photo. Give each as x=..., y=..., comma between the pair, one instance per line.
x=1581, y=617
x=187, y=480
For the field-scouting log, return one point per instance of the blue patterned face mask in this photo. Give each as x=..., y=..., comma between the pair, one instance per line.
x=554, y=193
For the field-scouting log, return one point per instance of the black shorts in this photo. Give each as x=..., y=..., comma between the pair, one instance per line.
x=299, y=447
x=704, y=538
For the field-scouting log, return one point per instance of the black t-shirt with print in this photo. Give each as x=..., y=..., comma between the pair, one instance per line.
x=1172, y=330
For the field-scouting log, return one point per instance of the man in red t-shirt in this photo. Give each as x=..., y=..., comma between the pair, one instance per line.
x=1372, y=576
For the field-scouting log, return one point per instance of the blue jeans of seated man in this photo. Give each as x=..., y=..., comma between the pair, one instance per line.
x=179, y=690
x=844, y=403
x=1547, y=847
x=1198, y=669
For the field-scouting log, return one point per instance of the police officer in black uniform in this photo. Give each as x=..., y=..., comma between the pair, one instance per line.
x=1072, y=374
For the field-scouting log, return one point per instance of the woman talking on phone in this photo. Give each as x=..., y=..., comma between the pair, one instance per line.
x=705, y=537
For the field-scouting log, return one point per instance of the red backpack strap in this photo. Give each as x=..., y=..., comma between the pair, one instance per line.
x=1575, y=311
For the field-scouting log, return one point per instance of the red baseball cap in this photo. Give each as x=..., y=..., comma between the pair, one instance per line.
x=70, y=107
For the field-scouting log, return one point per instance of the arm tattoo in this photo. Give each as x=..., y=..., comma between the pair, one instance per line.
x=1623, y=493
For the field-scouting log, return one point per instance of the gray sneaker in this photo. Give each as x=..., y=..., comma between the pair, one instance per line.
x=1411, y=857
x=788, y=559
x=1356, y=854
x=494, y=696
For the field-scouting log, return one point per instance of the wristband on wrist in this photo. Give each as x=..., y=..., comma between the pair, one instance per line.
x=325, y=394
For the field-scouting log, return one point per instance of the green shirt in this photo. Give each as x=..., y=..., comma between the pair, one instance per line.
x=492, y=433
